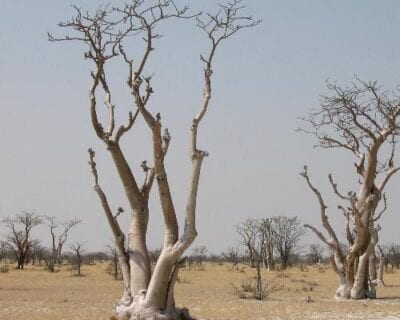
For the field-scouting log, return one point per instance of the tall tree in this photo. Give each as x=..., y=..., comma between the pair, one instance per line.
x=105, y=34
x=364, y=120
x=19, y=239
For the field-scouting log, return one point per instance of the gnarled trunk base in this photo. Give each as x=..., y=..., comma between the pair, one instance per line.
x=138, y=310
x=343, y=291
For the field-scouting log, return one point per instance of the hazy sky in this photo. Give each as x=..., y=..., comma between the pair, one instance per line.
x=264, y=79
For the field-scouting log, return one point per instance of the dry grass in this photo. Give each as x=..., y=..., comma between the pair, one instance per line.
x=34, y=294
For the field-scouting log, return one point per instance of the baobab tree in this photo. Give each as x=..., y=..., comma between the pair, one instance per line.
x=58, y=239
x=19, y=240
x=363, y=120
x=147, y=294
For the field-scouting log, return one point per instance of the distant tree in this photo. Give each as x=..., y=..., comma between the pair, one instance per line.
x=58, y=239
x=231, y=255
x=19, y=240
x=199, y=254
x=154, y=255
x=248, y=231
x=114, y=261
x=315, y=253
x=287, y=233
x=265, y=234
x=78, y=250
x=37, y=253
x=394, y=255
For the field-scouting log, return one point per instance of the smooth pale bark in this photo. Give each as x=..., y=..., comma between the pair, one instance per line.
x=147, y=295
x=379, y=279
x=139, y=261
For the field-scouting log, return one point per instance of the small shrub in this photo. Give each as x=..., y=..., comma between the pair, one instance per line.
x=251, y=288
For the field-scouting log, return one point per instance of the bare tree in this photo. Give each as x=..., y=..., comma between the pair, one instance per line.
x=363, y=120
x=287, y=233
x=57, y=240
x=105, y=34
x=248, y=231
x=199, y=254
x=77, y=250
x=315, y=252
x=19, y=239
x=231, y=255
x=114, y=261
x=266, y=238
x=394, y=255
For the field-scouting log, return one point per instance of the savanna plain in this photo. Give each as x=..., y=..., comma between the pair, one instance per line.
x=301, y=293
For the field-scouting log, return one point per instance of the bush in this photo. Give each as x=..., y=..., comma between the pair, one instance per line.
x=254, y=288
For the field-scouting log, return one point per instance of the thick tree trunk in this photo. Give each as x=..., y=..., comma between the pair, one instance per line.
x=139, y=261
x=372, y=266
x=360, y=288
x=379, y=279
x=344, y=289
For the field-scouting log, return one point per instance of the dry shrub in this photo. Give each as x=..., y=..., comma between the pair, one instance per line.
x=253, y=288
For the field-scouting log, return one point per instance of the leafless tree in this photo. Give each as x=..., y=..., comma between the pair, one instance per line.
x=105, y=34
x=315, y=253
x=393, y=253
x=363, y=120
x=78, y=251
x=199, y=254
x=231, y=255
x=287, y=233
x=248, y=231
x=19, y=239
x=114, y=261
x=266, y=239
x=57, y=240
x=38, y=253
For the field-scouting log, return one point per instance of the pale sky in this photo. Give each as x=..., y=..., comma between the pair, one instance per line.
x=264, y=79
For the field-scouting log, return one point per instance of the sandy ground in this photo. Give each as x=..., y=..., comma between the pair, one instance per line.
x=35, y=294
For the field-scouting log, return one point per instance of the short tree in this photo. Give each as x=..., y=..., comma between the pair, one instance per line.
x=58, y=239
x=248, y=231
x=315, y=253
x=105, y=34
x=19, y=240
x=199, y=254
x=266, y=239
x=363, y=120
x=287, y=233
x=77, y=251
x=115, y=269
